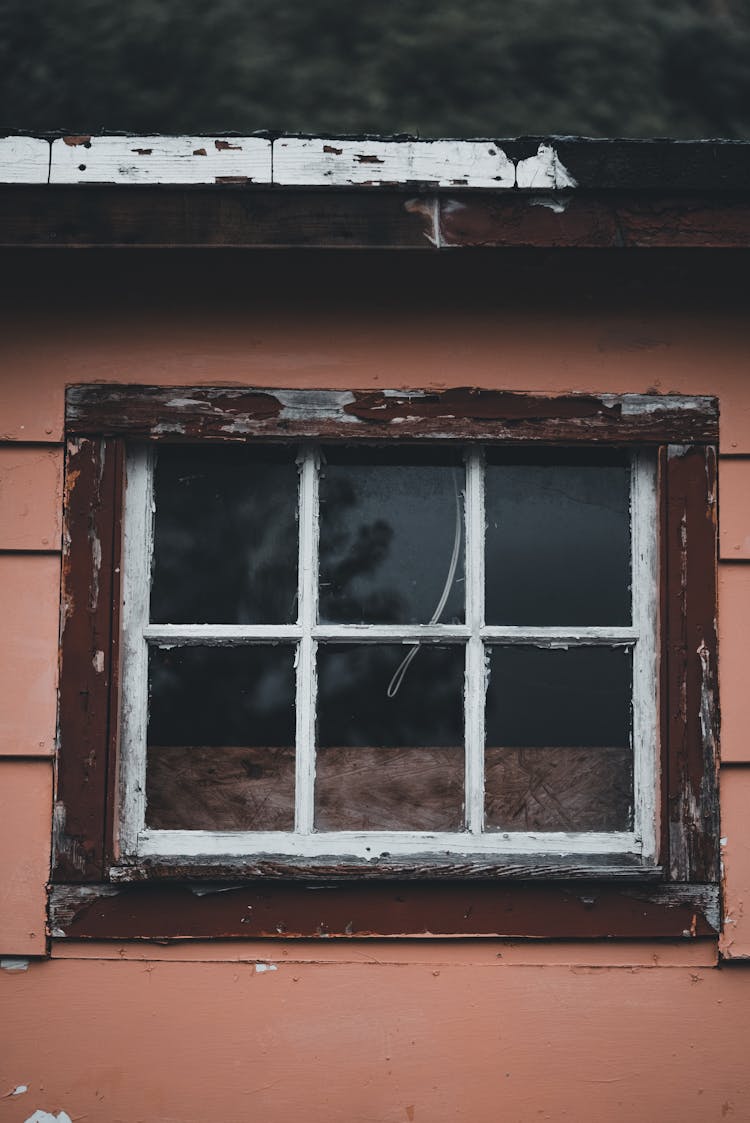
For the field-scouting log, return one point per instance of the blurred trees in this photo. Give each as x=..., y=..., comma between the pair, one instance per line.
x=432, y=67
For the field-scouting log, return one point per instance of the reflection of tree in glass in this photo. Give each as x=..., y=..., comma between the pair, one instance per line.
x=225, y=546
x=222, y=695
x=348, y=553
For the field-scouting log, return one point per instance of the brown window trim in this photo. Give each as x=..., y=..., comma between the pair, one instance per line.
x=96, y=897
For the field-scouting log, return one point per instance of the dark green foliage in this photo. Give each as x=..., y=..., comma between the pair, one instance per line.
x=437, y=68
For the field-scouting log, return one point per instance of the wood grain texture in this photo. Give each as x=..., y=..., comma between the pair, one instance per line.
x=227, y=788
x=558, y=789
x=91, y=481
x=389, y=789
x=463, y=413
x=691, y=559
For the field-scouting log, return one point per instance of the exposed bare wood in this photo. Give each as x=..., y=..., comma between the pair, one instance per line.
x=389, y=789
x=693, y=807
x=458, y=414
x=207, y=788
x=559, y=789
x=88, y=544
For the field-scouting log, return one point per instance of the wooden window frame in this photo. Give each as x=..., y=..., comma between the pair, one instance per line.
x=99, y=893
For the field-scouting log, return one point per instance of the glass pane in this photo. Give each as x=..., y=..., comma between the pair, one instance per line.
x=391, y=537
x=225, y=536
x=558, y=539
x=558, y=754
x=390, y=763
x=221, y=735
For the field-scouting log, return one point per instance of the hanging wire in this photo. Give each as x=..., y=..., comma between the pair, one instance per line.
x=400, y=673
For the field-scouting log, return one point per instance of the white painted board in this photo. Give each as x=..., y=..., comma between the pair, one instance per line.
x=24, y=159
x=343, y=163
x=161, y=159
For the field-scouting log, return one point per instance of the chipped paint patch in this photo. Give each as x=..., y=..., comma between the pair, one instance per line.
x=14, y=963
x=544, y=170
x=19, y=1090
x=47, y=1117
x=260, y=968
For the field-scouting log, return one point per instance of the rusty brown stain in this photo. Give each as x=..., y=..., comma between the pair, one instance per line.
x=328, y=148
x=199, y=152
x=363, y=159
x=74, y=141
x=226, y=146
x=232, y=179
x=142, y=151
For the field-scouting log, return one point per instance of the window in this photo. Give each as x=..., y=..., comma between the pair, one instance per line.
x=386, y=652
x=390, y=637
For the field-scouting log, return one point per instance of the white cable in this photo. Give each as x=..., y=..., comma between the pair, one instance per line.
x=400, y=672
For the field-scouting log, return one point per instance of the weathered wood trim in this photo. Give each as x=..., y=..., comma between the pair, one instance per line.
x=86, y=636
x=455, y=867
x=161, y=159
x=693, y=803
x=220, y=413
x=24, y=159
x=580, y=910
x=527, y=162
x=255, y=217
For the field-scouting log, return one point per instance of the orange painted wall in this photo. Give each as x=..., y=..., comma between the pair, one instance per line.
x=372, y=1031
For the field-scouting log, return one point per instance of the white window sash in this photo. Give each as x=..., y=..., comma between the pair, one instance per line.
x=304, y=842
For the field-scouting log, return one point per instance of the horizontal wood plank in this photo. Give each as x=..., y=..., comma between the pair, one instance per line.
x=238, y=215
x=464, y=413
x=309, y=161
x=582, y=910
x=160, y=159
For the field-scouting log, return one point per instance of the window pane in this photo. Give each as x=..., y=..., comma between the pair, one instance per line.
x=221, y=736
x=389, y=763
x=558, y=754
x=558, y=539
x=391, y=536
x=225, y=536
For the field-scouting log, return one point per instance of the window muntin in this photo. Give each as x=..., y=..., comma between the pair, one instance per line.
x=474, y=774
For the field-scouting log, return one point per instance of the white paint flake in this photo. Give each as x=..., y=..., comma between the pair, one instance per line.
x=545, y=170
x=47, y=1117
x=24, y=159
x=261, y=967
x=160, y=159
x=342, y=163
x=20, y=1089
x=13, y=963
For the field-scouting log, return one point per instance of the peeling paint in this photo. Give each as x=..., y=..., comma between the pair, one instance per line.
x=47, y=1117
x=19, y=1090
x=14, y=963
x=544, y=170
x=261, y=967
